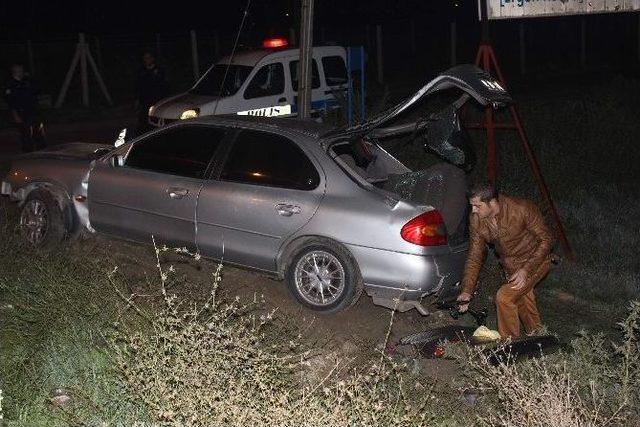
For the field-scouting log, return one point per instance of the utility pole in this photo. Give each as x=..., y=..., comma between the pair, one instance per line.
x=306, y=56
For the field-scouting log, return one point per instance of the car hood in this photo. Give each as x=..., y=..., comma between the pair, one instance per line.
x=76, y=150
x=174, y=106
x=477, y=83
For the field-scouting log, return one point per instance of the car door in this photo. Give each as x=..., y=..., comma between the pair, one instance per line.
x=266, y=190
x=264, y=95
x=155, y=192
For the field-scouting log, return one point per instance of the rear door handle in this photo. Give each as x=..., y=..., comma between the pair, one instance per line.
x=177, y=193
x=287, y=210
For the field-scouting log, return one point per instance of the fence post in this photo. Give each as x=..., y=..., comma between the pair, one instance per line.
x=454, y=43
x=194, y=55
x=523, y=63
x=379, y=53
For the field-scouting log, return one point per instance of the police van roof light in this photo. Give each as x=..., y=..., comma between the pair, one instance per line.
x=275, y=42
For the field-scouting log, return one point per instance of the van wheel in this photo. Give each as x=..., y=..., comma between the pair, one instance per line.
x=42, y=220
x=323, y=276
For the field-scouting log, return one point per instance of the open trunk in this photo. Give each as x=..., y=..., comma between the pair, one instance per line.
x=442, y=186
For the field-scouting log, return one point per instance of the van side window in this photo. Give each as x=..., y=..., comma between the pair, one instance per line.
x=294, y=69
x=268, y=81
x=335, y=72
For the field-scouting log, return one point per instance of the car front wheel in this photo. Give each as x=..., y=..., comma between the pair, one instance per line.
x=41, y=220
x=324, y=277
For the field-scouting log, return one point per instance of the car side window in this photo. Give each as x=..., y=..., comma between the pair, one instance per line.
x=294, y=69
x=262, y=158
x=335, y=72
x=268, y=81
x=182, y=151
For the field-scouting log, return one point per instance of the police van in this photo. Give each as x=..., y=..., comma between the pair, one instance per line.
x=261, y=82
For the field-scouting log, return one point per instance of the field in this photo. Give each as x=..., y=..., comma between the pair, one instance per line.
x=92, y=334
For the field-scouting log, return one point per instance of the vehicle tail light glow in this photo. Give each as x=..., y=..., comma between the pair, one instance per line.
x=275, y=42
x=426, y=229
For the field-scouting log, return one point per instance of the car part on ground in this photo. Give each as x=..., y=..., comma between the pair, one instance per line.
x=431, y=343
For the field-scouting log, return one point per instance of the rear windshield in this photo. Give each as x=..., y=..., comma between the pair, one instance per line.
x=222, y=80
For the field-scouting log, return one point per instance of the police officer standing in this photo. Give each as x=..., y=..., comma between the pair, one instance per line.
x=22, y=98
x=151, y=87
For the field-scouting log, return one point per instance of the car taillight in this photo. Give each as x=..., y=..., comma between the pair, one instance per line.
x=426, y=229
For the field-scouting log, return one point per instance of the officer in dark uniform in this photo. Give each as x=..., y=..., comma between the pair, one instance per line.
x=151, y=87
x=22, y=97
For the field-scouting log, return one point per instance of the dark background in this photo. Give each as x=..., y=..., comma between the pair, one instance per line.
x=119, y=32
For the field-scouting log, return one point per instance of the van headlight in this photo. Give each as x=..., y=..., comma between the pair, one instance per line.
x=151, y=110
x=189, y=114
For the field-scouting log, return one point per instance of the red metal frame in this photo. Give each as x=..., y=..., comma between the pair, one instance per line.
x=486, y=58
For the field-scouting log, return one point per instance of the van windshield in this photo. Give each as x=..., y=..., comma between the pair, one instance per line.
x=212, y=84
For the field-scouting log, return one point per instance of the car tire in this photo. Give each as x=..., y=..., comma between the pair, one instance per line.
x=41, y=221
x=323, y=276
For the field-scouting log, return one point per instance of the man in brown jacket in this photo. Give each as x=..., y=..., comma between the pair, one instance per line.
x=517, y=231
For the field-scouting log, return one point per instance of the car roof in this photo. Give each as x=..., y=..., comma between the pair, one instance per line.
x=252, y=57
x=307, y=128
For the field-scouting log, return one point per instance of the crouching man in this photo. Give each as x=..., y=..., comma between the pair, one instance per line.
x=517, y=231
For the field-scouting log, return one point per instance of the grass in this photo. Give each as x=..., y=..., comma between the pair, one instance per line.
x=56, y=311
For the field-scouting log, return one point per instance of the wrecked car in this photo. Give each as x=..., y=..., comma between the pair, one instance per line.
x=327, y=210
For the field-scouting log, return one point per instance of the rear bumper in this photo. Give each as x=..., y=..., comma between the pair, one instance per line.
x=389, y=275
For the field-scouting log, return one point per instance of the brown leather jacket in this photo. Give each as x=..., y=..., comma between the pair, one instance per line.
x=522, y=240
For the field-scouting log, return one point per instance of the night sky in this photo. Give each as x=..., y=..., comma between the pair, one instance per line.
x=39, y=19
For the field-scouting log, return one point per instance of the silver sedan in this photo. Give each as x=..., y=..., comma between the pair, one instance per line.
x=327, y=210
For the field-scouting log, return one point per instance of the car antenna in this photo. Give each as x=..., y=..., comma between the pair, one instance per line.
x=233, y=51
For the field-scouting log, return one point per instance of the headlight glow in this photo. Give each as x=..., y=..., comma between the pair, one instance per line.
x=188, y=114
x=151, y=110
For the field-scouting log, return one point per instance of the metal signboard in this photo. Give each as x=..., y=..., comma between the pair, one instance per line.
x=511, y=9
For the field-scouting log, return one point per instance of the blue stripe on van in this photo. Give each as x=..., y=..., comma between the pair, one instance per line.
x=317, y=105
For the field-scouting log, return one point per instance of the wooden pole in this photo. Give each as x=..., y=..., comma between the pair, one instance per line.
x=103, y=87
x=194, y=55
x=84, y=78
x=67, y=79
x=32, y=66
x=306, y=56
x=379, y=58
x=454, y=44
x=523, y=68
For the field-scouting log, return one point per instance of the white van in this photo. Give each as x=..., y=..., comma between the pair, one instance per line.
x=258, y=82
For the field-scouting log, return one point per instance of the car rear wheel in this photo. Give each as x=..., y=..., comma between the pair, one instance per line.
x=42, y=220
x=324, y=277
